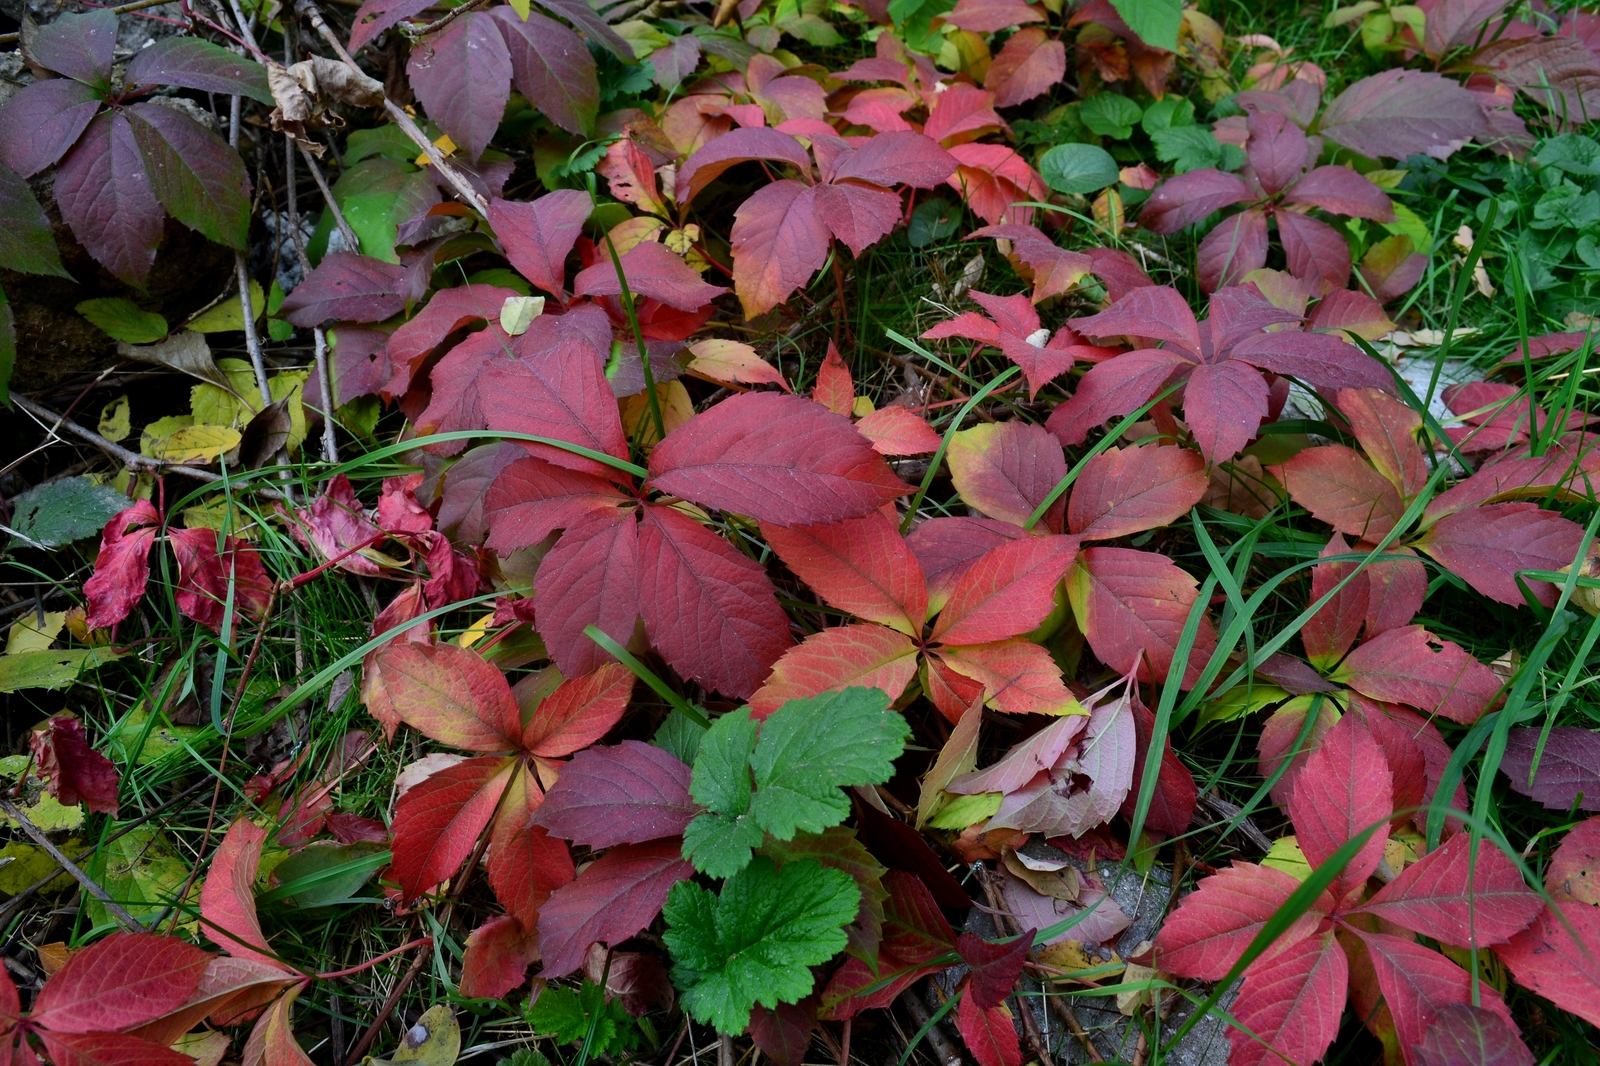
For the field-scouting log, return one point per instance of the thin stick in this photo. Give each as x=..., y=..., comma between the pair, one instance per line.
x=241, y=269
x=351, y=242
x=1065, y=1012
x=112, y=906
x=943, y=1049
x=16, y=38
x=389, y=1004
x=308, y=10
x=330, y=441
x=439, y=24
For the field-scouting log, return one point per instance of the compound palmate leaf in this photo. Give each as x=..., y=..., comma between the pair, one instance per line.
x=756, y=941
x=806, y=752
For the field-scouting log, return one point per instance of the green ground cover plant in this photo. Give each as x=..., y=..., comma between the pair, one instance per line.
x=938, y=529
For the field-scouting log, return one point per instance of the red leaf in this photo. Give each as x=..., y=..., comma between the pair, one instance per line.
x=1156, y=312
x=525, y=863
x=579, y=712
x=1398, y=112
x=1418, y=982
x=947, y=548
x=835, y=389
x=228, y=896
x=204, y=576
x=1278, y=736
x=1387, y=430
x=1172, y=803
x=1561, y=966
x=1277, y=150
x=529, y=499
x=895, y=430
x=626, y=794
x=994, y=968
x=1132, y=605
x=122, y=567
x=1186, y=199
x=552, y=68
x=1213, y=925
x=106, y=1049
x=895, y=158
x=1567, y=766
x=1353, y=311
x=1338, y=487
x=1319, y=358
x=1344, y=787
x=869, y=656
x=1041, y=752
x=375, y=16
x=437, y=822
x=76, y=772
x=989, y=1033
x=41, y=121
x=1007, y=592
x=1018, y=676
x=1333, y=630
x=1411, y=666
x=104, y=192
x=1292, y=1001
x=1225, y=404
x=1464, y=1035
x=779, y=240
x=860, y=565
x=561, y=394
x=1342, y=191
x=1316, y=252
x=591, y=576
x=497, y=958
x=125, y=980
x=992, y=178
x=615, y=897
x=1054, y=269
x=451, y=695
x=987, y=16
x=1234, y=248
x=1029, y=64
x=348, y=287
x=1006, y=469
x=776, y=458
x=709, y=610
x=1572, y=873
x=1112, y=389
x=462, y=76
x=784, y=1033
x=79, y=46
x=449, y=311
x=966, y=111
x=652, y=271
x=1397, y=589
x=914, y=934
x=272, y=1041
x=539, y=235
x=1488, y=546
x=1458, y=898
x=740, y=146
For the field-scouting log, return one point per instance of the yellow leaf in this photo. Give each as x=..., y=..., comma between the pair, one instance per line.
x=29, y=634
x=227, y=314
x=521, y=8
x=634, y=232
x=445, y=145
x=963, y=811
x=1286, y=855
x=206, y=1048
x=676, y=409
x=518, y=313
x=114, y=423
x=434, y=1041
x=476, y=631
x=862, y=407
x=204, y=443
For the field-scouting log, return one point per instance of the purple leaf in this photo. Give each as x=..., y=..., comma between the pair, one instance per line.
x=676, y=61
x=592, y=26
x=1569, y=768
x=1235, y=247
x=462, y=75
x=1461, y=1034
x=1320, y=358
x=105, y=197
x=1403, y=112
x=740, y=146
x=651, y=271
x=538, y=236
x=903, y=158
x=626, y=794
x=1277, y=150
x=1297, y=101
x=193, y=172
x=1315, y=252
x=1239, y=311
x=615, y=897
x=355, y=288
x=1225, y=404
x=376, y=16
x=1342, y=191
x=194, y=63
x=41, y=122
x=79, y=46
x=552, y=67
x=1187, y=198
x=1158, y=312
x=26, y=242
x=466, y=484
x=1112, y=389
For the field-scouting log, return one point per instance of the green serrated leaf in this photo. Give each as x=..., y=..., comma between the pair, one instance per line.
x=812, y=748
x=60, y=512
x=756, y=942
x=681, y=735
x=838, y=848
x=123, y=320
x=1187, y=147
x=1156, y=22
x=719, y=843
x=1110, y=115
x=565, y=1014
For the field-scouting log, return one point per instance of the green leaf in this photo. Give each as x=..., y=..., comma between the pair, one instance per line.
x=565, y=1013
x=23, y=864
x=1570, y=152
x=26, y=242
x=1078, y=168
x=196, y=176
x=1166, y=114
x=681, y=735
x=1156, y=22
x=325, y=872
x=227, y=314
x=60, y=512
x=812, y=748
x=123, y=320
x=838, y=848
x=719, y=843
x=1187, y=147
x=56, y=668
x=1110, y=115
x=933, y=220
x=756, y=942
